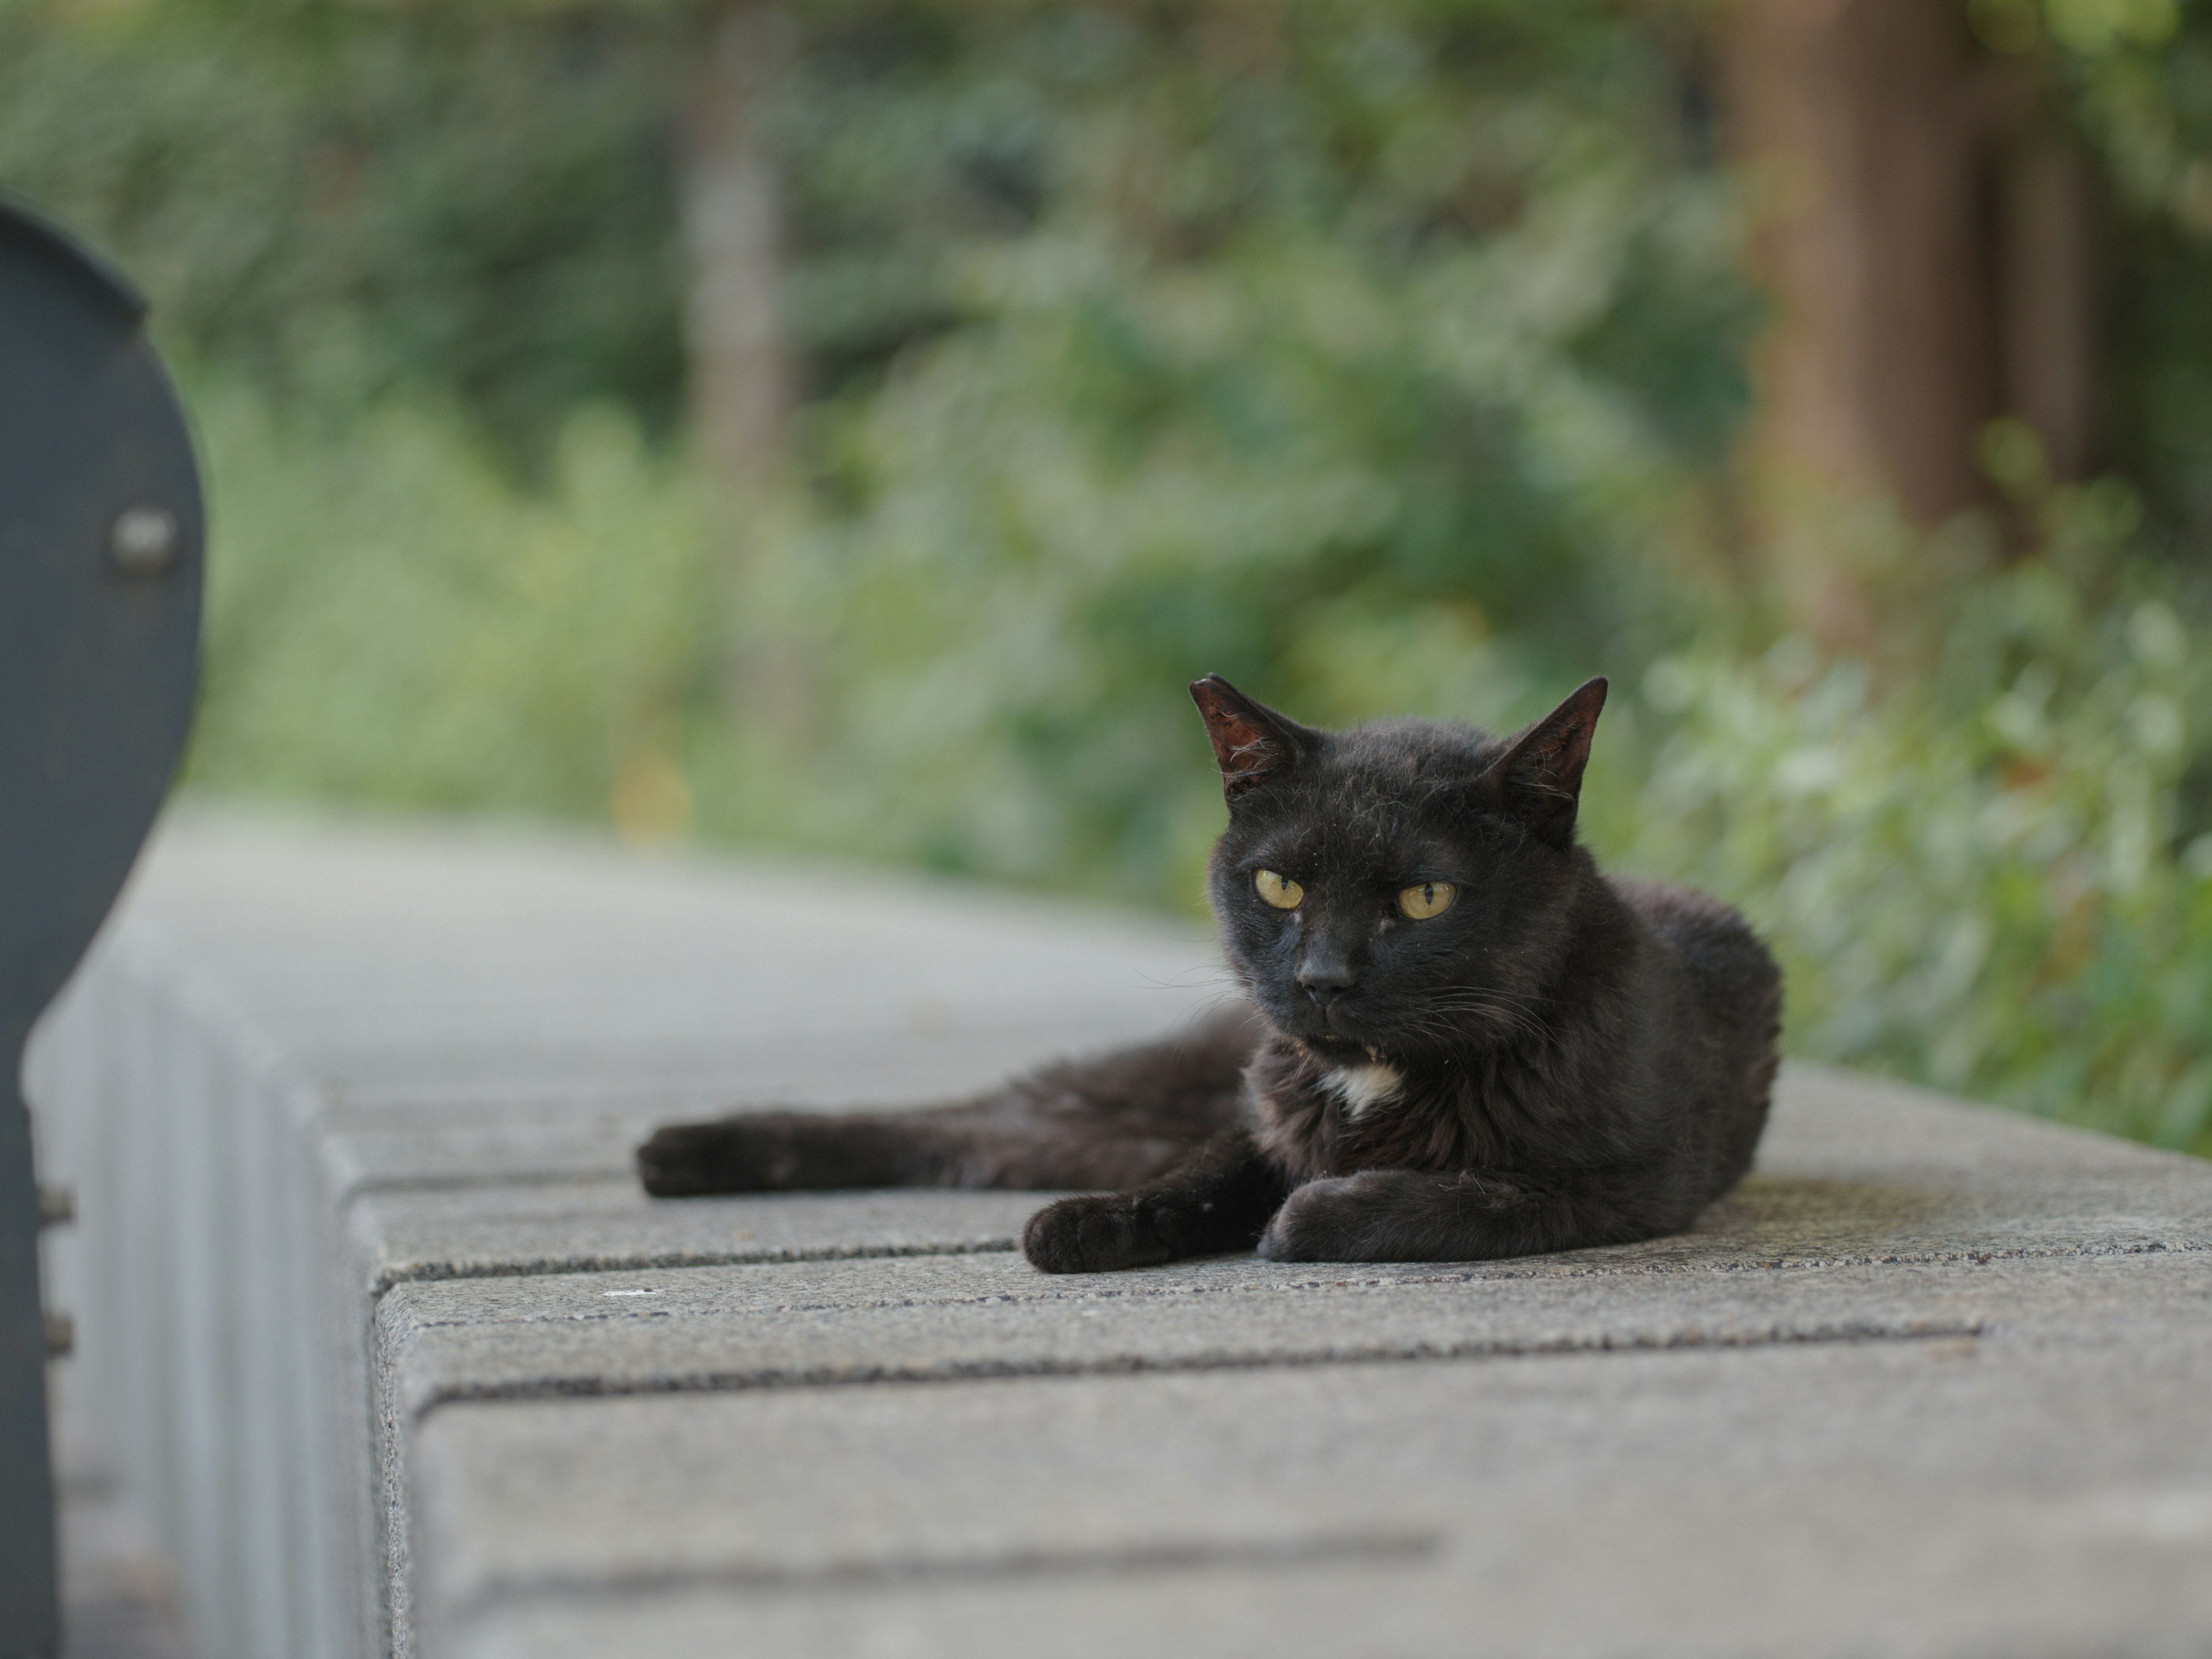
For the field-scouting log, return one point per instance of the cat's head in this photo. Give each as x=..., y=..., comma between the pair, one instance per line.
x=1401, y=889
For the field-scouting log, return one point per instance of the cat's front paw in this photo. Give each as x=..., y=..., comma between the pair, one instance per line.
x=690, y=1160
x=1093, y=1234
x=1329, y=1220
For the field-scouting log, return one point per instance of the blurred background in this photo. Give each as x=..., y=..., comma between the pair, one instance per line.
x=844, y=428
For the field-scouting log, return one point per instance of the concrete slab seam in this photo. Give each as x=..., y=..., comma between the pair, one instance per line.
x=1412, y=1545
x=817, y=1376
x=550, y=1266
x=1489, y=1274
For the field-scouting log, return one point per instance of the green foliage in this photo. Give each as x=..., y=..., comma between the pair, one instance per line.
x=1997, y=878
x=338, y=206
x=1991, y=899
x=1369, y=362
x=392, y=619
x=1384, y=357
x=2138, y=74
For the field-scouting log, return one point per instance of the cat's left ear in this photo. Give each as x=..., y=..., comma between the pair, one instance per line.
x=1541, y=776
x=1252, y=743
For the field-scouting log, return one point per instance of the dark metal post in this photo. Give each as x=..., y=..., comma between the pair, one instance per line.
x=99, y=607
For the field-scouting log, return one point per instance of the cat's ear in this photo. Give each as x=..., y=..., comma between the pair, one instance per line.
x=1252, y=743
x=1541, y=776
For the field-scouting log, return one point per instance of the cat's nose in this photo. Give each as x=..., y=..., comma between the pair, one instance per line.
x=1324, y=976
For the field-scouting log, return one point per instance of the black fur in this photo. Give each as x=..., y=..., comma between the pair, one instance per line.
x=1557, y=1060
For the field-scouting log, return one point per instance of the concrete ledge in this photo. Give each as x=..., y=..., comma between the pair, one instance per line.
x=377, y=1320
x=307, y=1063
x=1875, y=1497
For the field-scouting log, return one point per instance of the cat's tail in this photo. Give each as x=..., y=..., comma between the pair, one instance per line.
x=1114, y=1121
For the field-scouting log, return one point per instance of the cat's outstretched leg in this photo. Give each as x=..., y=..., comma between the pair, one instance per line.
x=1218, y=1198
x=1411, y=1215
x=1115, y=1121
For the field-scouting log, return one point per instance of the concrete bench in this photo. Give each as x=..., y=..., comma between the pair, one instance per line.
x=378, y=1324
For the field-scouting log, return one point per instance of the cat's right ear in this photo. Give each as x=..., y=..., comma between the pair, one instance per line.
x=1252, y=743
x=1540, y=774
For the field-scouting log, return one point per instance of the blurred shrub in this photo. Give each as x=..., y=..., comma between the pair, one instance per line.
x=2137, y=79
x=391, y=618
x=1992, y=895
x=1370, y=357
x=1383, y=357
x=334, y=204
x=1996, y=876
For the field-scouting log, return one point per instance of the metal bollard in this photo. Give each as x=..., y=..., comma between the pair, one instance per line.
x=100, y=613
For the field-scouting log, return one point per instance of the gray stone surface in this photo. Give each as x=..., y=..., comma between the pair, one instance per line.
x=591, y=1227
x=118, y=1586
x=308, y=1062
x=403, y=1362
x=1989, y=1496
x=925, y=1319
x=490, y=1134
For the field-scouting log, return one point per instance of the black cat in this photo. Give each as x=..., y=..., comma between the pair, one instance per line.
x=1464, y=1041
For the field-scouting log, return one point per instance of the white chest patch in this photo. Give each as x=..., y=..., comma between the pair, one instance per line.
x=1362, y=1088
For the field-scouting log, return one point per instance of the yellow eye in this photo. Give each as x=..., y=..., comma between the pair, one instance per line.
x=1430, y=898
x=1279, y=892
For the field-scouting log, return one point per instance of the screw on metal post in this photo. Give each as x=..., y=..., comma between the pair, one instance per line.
x=56, y=1206
x=143, y=541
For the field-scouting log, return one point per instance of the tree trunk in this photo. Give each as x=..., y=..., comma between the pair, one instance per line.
x=731, y=212
x=2046, y=293
x=1926, y=242
x=739, y=365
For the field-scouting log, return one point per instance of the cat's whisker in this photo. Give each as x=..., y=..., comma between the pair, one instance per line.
x=1204, y=1014
x=1191, y=978
x=1515, y=1014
